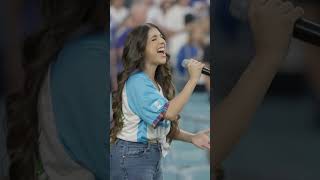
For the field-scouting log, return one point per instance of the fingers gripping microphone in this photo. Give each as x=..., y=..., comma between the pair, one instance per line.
x=304, y=30
x=205, y=70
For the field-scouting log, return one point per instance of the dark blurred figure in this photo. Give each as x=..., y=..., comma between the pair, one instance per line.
x=3, y=129
x=311, y=56
x=9, y=41
x=62, y=65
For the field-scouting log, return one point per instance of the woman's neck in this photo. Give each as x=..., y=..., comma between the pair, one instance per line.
x=150, y=70
x=150, y=74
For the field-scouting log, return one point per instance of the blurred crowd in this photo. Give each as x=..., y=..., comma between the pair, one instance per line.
x=186, y=24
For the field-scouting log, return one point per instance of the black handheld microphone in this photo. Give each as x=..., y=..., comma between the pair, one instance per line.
x=304, y=29
x=205, y=70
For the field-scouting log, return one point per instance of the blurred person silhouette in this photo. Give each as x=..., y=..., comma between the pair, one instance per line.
x=176, y=15
x=193, y=49
x=137, y=16
x=57, y=118
x=3, y=120
x=158, y=14
x=118, y=11
x=9, y=53
x=179, y=20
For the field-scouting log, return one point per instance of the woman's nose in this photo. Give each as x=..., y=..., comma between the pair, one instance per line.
x=162, y=42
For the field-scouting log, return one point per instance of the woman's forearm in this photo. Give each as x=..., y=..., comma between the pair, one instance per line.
x=176, y=104
x=185, y=136
x=231, y=118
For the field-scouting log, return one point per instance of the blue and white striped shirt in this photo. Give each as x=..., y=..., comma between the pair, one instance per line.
x=143, y=107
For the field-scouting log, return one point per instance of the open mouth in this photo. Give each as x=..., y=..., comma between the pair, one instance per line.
x=162, y=51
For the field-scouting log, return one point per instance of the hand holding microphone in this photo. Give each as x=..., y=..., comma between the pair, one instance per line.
x=272, y=23
x=186, y=63
x=304, y=29
x=194, y=68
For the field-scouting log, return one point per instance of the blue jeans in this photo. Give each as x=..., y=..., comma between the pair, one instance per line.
x=135, y=161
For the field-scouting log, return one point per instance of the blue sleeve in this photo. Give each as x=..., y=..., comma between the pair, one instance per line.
x=145, y=100
x=80, y=98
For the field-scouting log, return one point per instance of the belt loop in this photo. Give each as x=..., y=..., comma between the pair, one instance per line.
x=149, y=144
x=116, y=142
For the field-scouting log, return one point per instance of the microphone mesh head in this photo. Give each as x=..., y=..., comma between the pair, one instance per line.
x=185, y=63
x=239, y=9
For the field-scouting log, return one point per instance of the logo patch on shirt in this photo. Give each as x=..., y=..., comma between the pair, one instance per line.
x=157, y=105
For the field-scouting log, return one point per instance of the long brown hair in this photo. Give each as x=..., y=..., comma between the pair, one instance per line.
x=61, y=19
x=133, y=60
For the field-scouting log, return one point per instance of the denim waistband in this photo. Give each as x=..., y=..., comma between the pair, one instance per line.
x=154, y=143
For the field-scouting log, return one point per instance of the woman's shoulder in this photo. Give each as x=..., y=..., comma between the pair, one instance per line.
x=140, y=82
x=138, y=75
x=138, y=78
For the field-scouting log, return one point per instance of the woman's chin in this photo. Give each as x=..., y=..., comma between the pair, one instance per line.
x=162, y=61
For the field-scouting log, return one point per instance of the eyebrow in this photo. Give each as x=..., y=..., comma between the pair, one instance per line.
x=157, y=35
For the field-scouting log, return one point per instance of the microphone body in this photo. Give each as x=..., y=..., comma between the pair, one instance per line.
x=304, y=29
x=205, y=71
x=307, y=31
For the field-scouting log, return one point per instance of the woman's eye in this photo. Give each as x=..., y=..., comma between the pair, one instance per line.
x=153, y=39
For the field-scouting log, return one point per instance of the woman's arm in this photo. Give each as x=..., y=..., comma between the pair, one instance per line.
x=177, y=103
x=200, y=139
x=233, y=115
x=184, y=136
